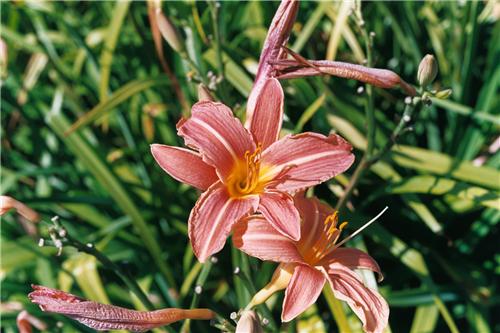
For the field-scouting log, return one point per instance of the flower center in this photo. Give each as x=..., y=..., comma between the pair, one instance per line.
x=325, y=243
x=245, y=177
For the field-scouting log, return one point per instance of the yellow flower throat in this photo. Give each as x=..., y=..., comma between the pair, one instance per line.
x=245, y=177
x=325, y=242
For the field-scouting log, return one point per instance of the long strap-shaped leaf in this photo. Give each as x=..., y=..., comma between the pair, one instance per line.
x=120, y=95
x=87, y=156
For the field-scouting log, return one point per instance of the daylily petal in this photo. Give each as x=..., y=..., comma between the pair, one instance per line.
x=302, y=291
x=353, y=259
x=303, y=160
x=268, y=115
x=109, y=317
x=256, y=237
x=277, y=36
x=184, y=165
x=313, y=213
x=212, y=218
x=279, y=210
x=366, y=303
x=217, y=134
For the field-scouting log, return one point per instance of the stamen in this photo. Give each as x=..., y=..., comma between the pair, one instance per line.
x=360, y=229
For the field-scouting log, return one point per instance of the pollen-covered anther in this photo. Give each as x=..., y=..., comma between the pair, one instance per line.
x=327, y=239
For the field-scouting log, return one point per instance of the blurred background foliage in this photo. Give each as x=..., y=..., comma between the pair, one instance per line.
x=437, y=245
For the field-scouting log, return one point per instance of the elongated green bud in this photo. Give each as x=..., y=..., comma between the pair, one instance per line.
x=444, y=94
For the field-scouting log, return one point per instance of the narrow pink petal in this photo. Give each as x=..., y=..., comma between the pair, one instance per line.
x=353, y=259
x=313, y=213
x=277, y=36
x=268, y=115
x=279, y=210
x=217, y=134
x=256, y=237
x=212, y=218
x=109, y=317
x=367, y=304
x=184, y=165
x=303, y=160
x=302, y=291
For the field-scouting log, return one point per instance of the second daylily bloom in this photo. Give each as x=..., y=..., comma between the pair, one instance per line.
x=306, y=265
x=246, y=170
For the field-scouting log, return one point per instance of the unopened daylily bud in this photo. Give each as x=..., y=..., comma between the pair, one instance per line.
x=7, y=203
x=204, y=93
x=249, y=323
x=427, y=70
x=443, y=94
x=280, y=279
x=168, y=31
x=25, y=321
x=110, y=317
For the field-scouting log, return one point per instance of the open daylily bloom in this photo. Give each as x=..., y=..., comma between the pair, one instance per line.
x=103, y=317
x=243, y=171
x=307, y=264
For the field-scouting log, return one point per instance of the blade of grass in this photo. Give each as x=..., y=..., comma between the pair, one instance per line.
x=75, y=143
x=113, y=32
x=119, y=96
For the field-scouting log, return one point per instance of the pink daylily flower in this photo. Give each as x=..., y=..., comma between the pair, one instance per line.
x=307, y=264
x=247, y=170
x=103, y=317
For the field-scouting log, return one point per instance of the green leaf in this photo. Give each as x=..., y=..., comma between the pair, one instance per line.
x=441, y=186
x=119, y=96
x=234, y=73
x=87, y=156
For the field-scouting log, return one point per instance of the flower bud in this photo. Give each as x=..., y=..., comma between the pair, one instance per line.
x=444, y=94
x=168, y=31
x=249, y=323
x=204, y=93
x=110, y=317
x=427, y=70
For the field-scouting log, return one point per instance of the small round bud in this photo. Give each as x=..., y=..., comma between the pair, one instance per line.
x=265, y=321
x=427, y=70
x=408, y=100
x=41, y=242
x=198, y=290
x=444, y=94
x=360, y=90
x=89, y=245
x=233, y=315
x=62, y=232
x=214, y=260
x=236, y=270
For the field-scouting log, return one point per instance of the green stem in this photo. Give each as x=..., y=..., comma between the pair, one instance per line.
x=106, y=262
x=200, y=282
x=214, y=6
x=247, y=281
